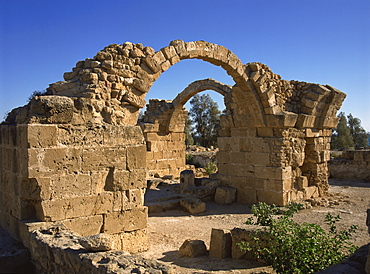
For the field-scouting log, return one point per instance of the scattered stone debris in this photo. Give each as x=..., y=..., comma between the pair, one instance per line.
x=193, y=205
x=193, y=248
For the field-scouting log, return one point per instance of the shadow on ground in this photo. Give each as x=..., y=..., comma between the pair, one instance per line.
x=206, y=263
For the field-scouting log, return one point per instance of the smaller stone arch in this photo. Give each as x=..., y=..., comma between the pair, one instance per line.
x=199, y=86
x=163, y=126
x=191, y=90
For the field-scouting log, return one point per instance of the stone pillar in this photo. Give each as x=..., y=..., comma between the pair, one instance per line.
x=187, y=179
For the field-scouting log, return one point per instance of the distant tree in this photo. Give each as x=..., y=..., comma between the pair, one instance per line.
x=187, y=130
x=342, y=138
x=206, y=120
x=358, y=133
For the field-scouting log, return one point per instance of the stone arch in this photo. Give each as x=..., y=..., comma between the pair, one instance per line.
x=199, y=86
x=191, y=90
x=121, y=75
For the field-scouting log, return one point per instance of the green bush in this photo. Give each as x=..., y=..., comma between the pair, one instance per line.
x=210, y=167
x=297, y=248
x=189, y=158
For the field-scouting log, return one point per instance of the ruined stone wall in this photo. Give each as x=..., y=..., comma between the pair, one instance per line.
x=58, y=250
x=165, y=149
x=265, y=165
x=90, y=178
x=351, y=165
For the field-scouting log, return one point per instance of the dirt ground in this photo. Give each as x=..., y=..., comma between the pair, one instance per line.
x=168, y=230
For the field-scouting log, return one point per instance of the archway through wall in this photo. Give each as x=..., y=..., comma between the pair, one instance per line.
x=166, y=140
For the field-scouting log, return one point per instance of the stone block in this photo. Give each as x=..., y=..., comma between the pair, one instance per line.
x=85, y=226
x=265, y=132
x=282, y=120
x=258, y=159
x=193, y=248
x=134, y=198
x=70, y=185
x=272, y=197
x=221, y=243
x=42, y=136
x=136, y=157
x=225, y=195
x=169, y=52
x=193, y=205
x=152, y=64
x=60, y=209
x=331, y=122
x=187, y=179
x=132, y=241
x=54, y=159
x=311, y=192
x=128, y=220
x=204, y=193
x=302, y=182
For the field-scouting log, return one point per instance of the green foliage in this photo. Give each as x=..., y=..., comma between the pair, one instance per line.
x=358, y=133
x=349, y=133
x=206, y=120
x=187, y=130
x=189, y=159
x=342, y=138
x=210, y=167
x=297, y=248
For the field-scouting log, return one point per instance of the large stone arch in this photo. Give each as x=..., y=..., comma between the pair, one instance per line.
x=121, y=75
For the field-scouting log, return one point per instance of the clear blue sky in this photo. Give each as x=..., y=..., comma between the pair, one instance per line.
x=325, y=41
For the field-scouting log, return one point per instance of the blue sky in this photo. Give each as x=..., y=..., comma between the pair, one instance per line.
x=326, y=41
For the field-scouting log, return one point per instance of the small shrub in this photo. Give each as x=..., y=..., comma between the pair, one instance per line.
x=210, y=168
x=189, y=158
x=297, y=248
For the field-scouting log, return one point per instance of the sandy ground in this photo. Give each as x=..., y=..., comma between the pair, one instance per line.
x=168, y=230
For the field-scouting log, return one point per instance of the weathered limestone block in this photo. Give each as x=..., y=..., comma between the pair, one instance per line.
x=60, y=209
x=187, y=179
x=98, y=242
x=193, y=205
x=221, y=243
x=128, y=220
x=84, y=226
x=193, y=248
x=225, y=195
x=41, y=135
x=133, y=241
